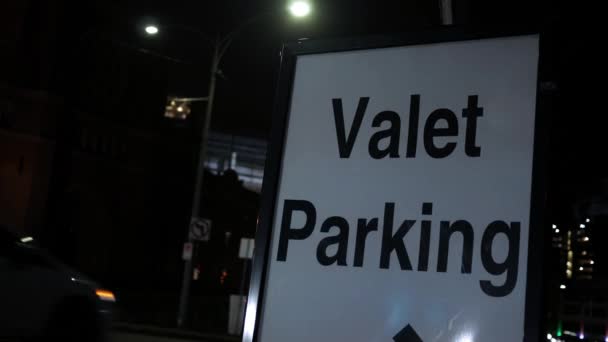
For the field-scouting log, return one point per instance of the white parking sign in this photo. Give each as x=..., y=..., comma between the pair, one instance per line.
x=401, y=209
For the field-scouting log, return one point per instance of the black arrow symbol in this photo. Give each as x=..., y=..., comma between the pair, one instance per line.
x=407, y=334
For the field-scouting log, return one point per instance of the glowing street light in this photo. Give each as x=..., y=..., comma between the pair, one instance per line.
x=300, y=8
x=151, y=30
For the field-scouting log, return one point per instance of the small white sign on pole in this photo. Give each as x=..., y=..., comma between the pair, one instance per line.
x=246, y=248
x=187, y=251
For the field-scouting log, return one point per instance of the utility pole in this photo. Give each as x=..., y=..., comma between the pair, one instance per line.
x=446, y=12
x=198, y=188
x=299, y=8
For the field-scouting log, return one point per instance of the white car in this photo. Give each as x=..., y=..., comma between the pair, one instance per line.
x=43, y=300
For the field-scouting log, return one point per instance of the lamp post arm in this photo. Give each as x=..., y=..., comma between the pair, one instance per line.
x=227, y=40
x=209, y=39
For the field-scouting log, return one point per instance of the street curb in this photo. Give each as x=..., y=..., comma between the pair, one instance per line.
x=173, y=333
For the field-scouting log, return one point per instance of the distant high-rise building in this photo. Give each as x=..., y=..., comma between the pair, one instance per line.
x=577, y=293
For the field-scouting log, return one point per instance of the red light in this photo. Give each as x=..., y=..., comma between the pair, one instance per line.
x=223, y=277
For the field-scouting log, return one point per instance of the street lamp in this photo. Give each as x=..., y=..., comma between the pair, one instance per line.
x=300, y=8
x=151, y=30
x=219, y=46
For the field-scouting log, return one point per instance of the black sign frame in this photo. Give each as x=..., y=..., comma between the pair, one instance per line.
x=533, y=320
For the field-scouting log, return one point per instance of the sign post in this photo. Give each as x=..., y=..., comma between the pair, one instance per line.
x=399, y=202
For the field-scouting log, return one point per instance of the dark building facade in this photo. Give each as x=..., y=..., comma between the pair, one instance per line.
x=28, y=111
x=91, y=168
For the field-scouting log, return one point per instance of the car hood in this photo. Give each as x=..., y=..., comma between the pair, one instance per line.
x=74, y=275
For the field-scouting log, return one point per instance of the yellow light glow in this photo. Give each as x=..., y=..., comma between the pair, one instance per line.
x=105, y=295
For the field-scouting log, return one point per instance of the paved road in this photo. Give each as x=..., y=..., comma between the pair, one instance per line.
x=132, y=337
x=164, y=335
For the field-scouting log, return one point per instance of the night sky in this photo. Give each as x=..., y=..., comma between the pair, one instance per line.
x=250, y=67
x=245, y=95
